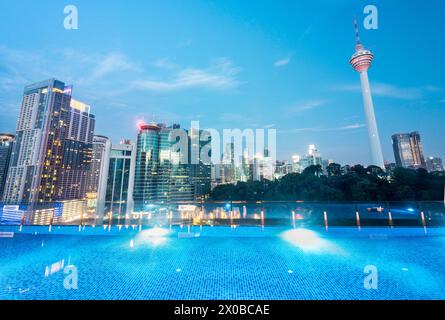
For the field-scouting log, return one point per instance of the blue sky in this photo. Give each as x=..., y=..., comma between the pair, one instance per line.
x=235, y=64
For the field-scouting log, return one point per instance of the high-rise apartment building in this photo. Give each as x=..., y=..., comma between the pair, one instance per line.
x=6, y=144
x=52, y=152
x=120, y=180
x=408, y=150
x=97, y=177
x=77, y=152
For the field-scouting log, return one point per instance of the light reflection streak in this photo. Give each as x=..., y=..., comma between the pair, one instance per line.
x=309, y=241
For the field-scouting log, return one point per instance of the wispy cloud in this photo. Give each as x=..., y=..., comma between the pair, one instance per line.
x=112, y=62
x=353, y=126
x=105, y=78
x=221, y=75
x=165, y=63
x=307, y=105
x=306, y=32
x=388, y=90
x=282, y=62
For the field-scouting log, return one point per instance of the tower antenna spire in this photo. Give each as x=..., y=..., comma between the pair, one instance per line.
x=357, y=36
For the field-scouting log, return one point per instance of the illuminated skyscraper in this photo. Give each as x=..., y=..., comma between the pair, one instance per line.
x=77, y=152
x=361, y=61
x=6, y=144
x=97, y=177
x=161, y=175
x=408, y=150
x=41, y=129
x=52, y=151
x=120, y=180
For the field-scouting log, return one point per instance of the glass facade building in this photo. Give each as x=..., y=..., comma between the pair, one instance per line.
x=164, y=172
x=120, y=180
x=408, y=150
x=6, y=144
x=98, y=175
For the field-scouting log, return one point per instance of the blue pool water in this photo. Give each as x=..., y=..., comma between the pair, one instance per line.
x=221, y=263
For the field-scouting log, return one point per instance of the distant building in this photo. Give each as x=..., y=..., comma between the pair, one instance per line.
x=52, y=152
x=296, y=168
x=282, y=168
x=312, y=158
x=434, y=164
x=390, y=166
x=408, y=150
x=120, y=180
x=97, y=177
x=162, y=175
x=200, y=170
x=228, y=164
x=6, y=144
x=325, y=164
x=263, y=167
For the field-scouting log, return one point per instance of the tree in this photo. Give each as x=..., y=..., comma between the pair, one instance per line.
x=333, y=169
x=313, y=170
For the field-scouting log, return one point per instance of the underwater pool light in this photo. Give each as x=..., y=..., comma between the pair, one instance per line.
x=308, y=240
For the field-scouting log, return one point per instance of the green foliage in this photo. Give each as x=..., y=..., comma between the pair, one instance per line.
x=361, y=184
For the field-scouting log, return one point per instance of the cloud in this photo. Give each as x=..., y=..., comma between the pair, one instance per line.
x=105, y=78
x=349, y=127
x=110, y=63
x=431, y=88
x=306, y=32
x=221, y=75
x=387, y=90
x=282, y=62
x=307, y=105
x=165, y=63
x=70, y=65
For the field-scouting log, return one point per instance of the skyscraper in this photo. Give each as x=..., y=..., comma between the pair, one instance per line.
x=77, y=152
x=120, y=180
x=408, y=150
x=200, y=170
x=6, y=144
x=434, y=164
x=52, y=152
x=97, y=177
x=172, y=165
x=312, y=158
x=41, y=129
x=361, y=61
x=161, y=175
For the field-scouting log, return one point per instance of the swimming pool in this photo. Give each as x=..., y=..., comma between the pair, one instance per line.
x=174, y=263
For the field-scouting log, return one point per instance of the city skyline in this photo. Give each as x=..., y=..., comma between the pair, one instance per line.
x=175, y=77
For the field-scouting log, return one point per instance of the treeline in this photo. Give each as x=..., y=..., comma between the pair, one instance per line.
x=360, y=184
